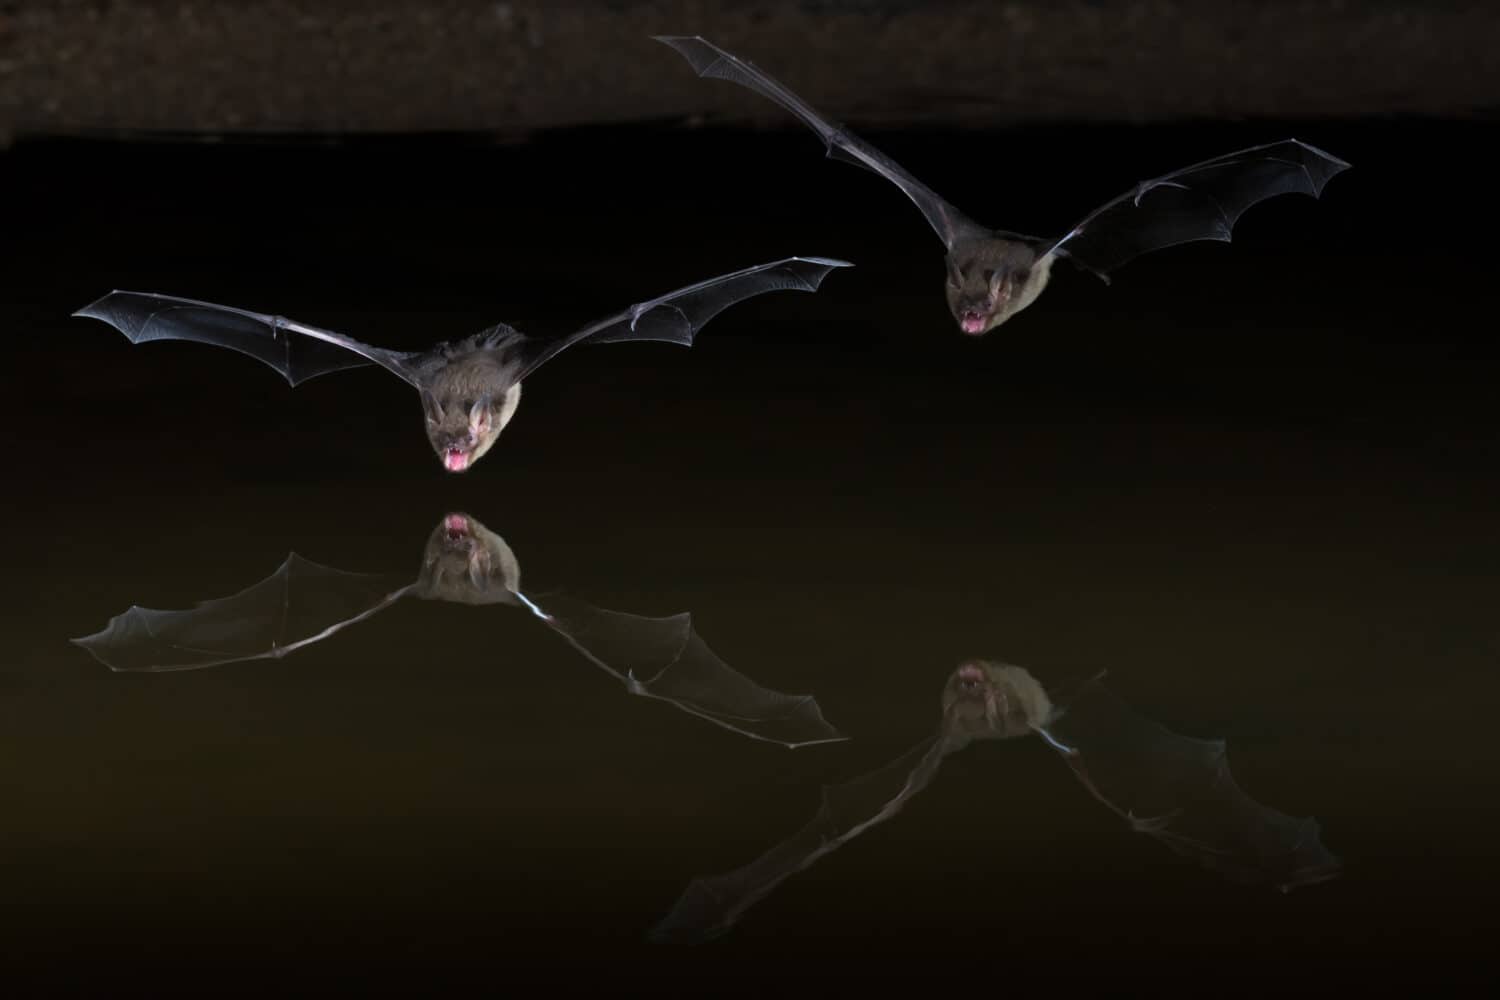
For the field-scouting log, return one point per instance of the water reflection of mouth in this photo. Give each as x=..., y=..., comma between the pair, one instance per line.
x=456, y=530
x=970, y=676
x=977, y=703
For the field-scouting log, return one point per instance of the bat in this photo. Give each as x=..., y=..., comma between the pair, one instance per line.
x=1173, y=788
x=470, y=388
x=993, y=273
x=302, y=603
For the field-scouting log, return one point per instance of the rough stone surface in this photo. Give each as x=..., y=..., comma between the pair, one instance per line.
x=69, y=66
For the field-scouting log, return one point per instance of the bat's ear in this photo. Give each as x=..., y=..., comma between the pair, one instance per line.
x=430, y=407
x=479, y=416
x=479, y=570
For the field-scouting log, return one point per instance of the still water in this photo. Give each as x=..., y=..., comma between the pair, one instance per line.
x=1252, y=486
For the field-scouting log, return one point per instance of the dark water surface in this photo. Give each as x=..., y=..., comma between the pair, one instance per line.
x=1255, y=483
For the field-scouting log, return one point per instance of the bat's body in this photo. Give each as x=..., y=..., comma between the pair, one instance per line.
x=470, y=388
x=992, y=273
x=463, y=562
x=1175, y=789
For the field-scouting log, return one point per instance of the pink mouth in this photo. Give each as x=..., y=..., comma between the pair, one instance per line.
x=455, y=460
x=456, y=525
x=970, y=674
x=972, y=323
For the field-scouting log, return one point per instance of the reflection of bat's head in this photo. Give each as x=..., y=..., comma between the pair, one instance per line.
x=991, y=280
x=464, y=421
x=468, y=563
x=985, y=700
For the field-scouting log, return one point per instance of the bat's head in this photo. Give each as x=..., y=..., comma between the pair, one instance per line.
x=462, y=427
x=989, y=282
x=986, y=700
x=466, y=562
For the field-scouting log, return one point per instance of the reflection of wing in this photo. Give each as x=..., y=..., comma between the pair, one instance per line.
x=299, y=604
x=708, y=60
x=299, y=352
x=664, y=658
x=1201, y=202
x=711, y=906
x=676, y=317
x=1180, y=791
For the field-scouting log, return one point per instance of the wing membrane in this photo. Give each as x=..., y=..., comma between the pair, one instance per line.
x=678, y=316
x=1201, y=202
x=298, y=351
x=299, y=604
x=666, y=659
x=708, y=60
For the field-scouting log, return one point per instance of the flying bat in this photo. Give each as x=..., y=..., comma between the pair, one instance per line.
x=303, y=603
x=1173, y=788
x=470, y=388
x=994, y=273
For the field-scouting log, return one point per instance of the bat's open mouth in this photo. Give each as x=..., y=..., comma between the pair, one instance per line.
x=970, y=676
x=455, y=460
x=972, y=323
x=457, y=527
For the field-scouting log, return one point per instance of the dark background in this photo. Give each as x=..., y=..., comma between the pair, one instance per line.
x=1255, y=482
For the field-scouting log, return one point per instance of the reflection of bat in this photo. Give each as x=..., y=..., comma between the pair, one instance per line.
x=303, y=603
x=470, y=388
x=1176, y=789
x=994, y=274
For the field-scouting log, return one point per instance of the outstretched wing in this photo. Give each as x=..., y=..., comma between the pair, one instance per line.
x=1201, y=202
x=711, y=906
x=665, y=659
x=1180, y=791
x=677, y=316
x=299, y=352
x=299, y=604
x=708, y=60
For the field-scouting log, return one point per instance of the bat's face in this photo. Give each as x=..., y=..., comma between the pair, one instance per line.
x=468, y=563
x=986, y=700
x=978, y=297
x=989, y=282
x=462, y=428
